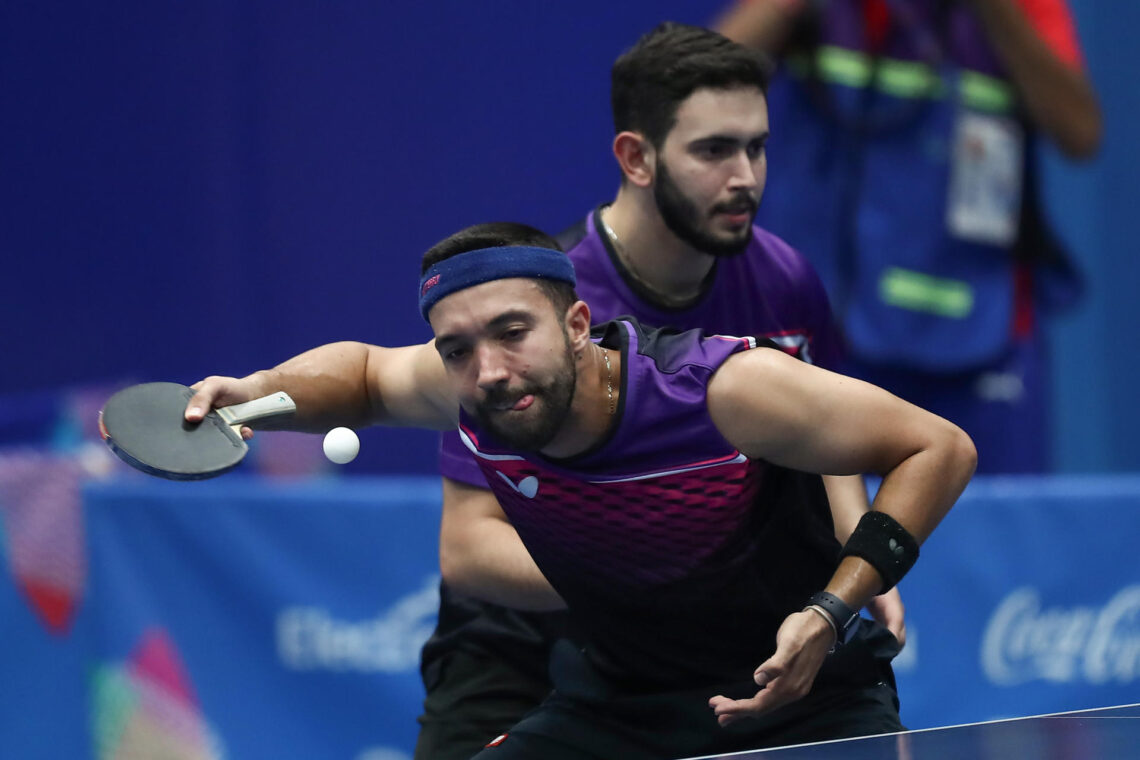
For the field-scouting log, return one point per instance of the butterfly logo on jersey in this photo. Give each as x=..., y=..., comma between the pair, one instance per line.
x=528, y=486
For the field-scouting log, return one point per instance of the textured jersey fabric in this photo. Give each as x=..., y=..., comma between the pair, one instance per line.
x=678, y=556
x=770, y=291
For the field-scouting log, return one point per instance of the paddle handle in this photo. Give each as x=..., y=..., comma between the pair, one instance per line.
x=266, y=406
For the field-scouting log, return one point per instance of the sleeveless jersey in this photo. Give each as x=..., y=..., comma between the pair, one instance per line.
x=769, y=291
x=678, y=556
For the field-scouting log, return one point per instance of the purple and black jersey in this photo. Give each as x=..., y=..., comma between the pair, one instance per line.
x=664, y=538
x=769, y=291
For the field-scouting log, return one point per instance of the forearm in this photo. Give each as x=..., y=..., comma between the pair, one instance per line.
x=847, y=495
x=329, y=385
x=1058, y=98
x=481, y=554
x=497, y=568
x=813, y=420
x=917, y=494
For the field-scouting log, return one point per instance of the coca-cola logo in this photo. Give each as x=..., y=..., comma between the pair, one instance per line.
x=1026, y=641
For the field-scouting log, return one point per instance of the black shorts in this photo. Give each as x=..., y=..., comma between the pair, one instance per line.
x=586, y=720
x=471, y=699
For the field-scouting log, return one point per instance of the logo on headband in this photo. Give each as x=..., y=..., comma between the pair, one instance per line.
x=430, y=283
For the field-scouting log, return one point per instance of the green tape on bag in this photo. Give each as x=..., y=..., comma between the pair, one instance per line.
x=914, y=291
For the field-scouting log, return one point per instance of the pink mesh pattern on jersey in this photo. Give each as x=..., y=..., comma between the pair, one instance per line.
x=623, y=536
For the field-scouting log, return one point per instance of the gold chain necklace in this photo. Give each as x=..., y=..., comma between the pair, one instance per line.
x=662, y=298
x=609, y=378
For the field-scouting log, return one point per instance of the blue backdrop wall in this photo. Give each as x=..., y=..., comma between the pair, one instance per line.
x=211, y=187
x=1097, y=356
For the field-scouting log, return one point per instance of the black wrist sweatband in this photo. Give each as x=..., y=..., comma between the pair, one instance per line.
x=886, y=545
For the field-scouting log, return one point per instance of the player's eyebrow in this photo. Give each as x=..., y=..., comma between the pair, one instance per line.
x=442, y=342
x=729, y=139
x=513, y=315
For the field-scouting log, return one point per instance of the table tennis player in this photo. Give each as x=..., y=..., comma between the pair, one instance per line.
x=676, y=247
x=664, y=485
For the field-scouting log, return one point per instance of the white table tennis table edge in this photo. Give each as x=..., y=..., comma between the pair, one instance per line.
x=920, y=730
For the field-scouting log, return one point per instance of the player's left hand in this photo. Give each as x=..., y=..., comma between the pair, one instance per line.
x=802, y=644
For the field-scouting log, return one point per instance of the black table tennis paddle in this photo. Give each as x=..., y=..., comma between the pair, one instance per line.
x=146, y=427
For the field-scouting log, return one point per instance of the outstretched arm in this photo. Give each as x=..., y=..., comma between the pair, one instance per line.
x=773, y=407
x=352, y=384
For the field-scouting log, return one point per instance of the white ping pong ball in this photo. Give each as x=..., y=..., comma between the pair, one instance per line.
x=341, y=445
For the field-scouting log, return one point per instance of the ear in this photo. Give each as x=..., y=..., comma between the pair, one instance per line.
x=578, y=326
x=635, y=156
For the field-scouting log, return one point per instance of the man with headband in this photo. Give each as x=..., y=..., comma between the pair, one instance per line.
x=660, y=482
x=676, y=248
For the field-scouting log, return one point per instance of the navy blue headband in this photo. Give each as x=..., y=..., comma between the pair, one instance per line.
x=486, y=264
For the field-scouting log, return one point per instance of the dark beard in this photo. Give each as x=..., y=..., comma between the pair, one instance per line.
x=553, y=403
x=684, y=219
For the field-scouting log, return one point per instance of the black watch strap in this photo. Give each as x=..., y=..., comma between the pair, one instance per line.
x=844, y=618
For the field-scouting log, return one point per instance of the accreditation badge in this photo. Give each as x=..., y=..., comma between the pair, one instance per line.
x=986, y=177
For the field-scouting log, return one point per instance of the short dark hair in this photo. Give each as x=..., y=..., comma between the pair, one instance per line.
x=497, y=235
x=650, y=80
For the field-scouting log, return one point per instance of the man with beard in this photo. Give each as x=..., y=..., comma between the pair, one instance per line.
x=660, y=482
x=676, y=247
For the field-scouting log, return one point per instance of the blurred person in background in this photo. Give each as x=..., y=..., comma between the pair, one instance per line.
x=904, y=166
